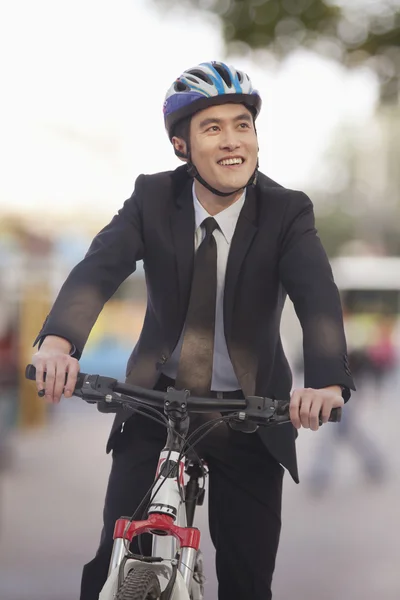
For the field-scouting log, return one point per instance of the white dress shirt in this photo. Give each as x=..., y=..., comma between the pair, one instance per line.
x=223, y=375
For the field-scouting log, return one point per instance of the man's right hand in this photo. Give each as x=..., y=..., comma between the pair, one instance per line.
x=53, y=359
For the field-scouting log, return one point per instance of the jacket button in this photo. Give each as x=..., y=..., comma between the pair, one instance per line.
x=161, y=362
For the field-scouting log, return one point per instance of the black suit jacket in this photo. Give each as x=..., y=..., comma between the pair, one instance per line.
x=275, y=251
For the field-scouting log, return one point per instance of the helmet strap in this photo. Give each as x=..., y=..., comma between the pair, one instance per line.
x=180, y=154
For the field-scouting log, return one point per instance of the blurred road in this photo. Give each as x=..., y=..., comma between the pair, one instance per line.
x=341, y=546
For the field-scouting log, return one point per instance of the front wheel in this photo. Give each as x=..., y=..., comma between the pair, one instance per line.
x=140, y=584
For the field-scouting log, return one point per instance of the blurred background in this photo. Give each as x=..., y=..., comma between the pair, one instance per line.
x=83, y=84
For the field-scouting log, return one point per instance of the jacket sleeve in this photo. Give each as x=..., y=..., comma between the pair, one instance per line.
x=307, y=276
x=111, y=258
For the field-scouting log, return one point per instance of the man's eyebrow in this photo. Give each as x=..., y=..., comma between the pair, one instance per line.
x=243, y=117
x=208, y=121
x=212, y=120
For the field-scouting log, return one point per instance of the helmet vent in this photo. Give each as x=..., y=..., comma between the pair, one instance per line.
x=223, y=72
x=179, y=86
x=203, y=76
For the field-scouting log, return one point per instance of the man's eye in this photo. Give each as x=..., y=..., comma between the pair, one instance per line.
x=246, y=125
x=213, y=128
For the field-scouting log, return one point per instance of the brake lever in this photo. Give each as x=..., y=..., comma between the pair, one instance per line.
x=96, y=388
x=260, y=410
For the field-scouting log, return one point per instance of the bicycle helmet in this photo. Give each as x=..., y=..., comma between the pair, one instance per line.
x=208, y=84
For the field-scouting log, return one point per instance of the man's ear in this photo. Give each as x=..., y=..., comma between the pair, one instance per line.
x=180, y=148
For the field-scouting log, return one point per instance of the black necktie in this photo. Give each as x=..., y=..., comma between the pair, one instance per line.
x=196, y=360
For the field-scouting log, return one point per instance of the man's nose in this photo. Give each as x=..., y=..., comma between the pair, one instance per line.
x=229, y=142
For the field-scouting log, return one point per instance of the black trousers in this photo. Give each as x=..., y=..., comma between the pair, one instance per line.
x=245, y=491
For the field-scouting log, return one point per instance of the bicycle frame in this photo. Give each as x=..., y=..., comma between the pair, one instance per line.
x=166, y=522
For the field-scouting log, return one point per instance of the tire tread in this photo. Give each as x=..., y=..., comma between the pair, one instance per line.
x=141, y=583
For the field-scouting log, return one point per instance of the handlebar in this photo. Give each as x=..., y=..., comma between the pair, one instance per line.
x=111, y=394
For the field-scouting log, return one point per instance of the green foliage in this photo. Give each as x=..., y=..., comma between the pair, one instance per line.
x=335, y=230
x=354, y=31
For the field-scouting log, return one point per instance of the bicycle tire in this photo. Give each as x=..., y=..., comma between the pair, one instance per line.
x=140, y=584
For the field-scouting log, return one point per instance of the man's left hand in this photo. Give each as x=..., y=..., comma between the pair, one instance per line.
x=307, y=405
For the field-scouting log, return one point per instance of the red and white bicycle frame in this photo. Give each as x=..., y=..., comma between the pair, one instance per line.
x=172, y=539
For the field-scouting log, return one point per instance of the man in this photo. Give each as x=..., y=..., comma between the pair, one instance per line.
x=222, y=245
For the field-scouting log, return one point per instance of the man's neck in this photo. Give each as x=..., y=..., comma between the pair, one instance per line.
x=212, y=203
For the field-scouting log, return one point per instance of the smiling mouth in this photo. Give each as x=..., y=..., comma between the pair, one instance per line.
x=231, y=162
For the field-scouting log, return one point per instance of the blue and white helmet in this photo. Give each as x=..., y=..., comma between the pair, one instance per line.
x=205, y=85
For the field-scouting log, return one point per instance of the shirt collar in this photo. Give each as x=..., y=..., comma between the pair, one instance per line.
x=226, y=219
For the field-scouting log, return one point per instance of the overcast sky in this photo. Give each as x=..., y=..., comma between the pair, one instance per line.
x=83, y=83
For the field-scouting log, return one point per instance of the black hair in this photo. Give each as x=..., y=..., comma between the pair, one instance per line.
x=182, y=130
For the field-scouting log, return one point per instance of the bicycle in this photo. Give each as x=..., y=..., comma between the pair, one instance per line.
x=174, y=569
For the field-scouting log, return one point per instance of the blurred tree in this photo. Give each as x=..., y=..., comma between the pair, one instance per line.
x=335, y=230
x=355, y=32
x=357, y=192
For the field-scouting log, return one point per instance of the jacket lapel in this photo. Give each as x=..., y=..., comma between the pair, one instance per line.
x=244, y=233
x=183, y=227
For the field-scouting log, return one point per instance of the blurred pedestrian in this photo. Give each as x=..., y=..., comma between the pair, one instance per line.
x=350, y=432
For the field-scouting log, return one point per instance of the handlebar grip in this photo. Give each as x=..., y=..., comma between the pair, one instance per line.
x=336, y=415
x=30, y=373
x=283, y=410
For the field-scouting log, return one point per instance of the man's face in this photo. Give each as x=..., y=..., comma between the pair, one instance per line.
x=224, y=146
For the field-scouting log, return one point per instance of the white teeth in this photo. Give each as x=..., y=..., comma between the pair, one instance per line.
x=231, y=161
